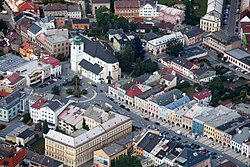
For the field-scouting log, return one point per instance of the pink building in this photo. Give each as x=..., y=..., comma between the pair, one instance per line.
x=169, y=14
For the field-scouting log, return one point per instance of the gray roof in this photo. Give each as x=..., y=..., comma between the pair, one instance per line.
x=34, y=28
x=113, y=149
x=10, y=100
x=115, y=31
x=47, y=19
x=149, y=142
x=94, y=68
x=201, y=71
x=74, y=8
x=224, y=37
x=10, y=61
x=238, y=53
x=10, y=128
x=98, y=114
x=149, y=36
x=99, y=50
x=54, y=105
x=150, y=92
x=25, y=134
x=241, y=137
x=168, y=97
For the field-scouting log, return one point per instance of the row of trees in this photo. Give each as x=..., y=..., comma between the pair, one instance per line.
x=126, y=161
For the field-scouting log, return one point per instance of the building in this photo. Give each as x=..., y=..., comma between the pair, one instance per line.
x=127, y=9
x=94, y=60
x=159, y=45
x=56, y=9
x=169, y=14
x=71, y=118
x=26, y=50
x=56, y=67
x=239, y=58
x=204, y=75
x=48, y=108
x=193, y=52
x=10, y=106
x=74, y=12
x=10, y=154
x=48, y=22
x=33, y=31
x=80, y=23
x=135, y=91
x=183, y=67
x=203, y=97
x=11, y=82
x=148, y=9
x=192, y=35
x=84, y=144
x=56, y=45
x=104, y=156
x=34, y=71
x=120, y=42
x=220, y=42
x=25, y=137
x=211, y=22
x=34, y=159
x=143, y=28
x=239, y=138
x=246, y=148
x=96, y=4
x=168, y=81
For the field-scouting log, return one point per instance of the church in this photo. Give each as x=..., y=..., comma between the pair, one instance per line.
x=94, y=60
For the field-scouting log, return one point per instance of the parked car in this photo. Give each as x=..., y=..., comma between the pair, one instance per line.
x=127, y=109
x=157, y=123
x=122, y=106
x=147, y=119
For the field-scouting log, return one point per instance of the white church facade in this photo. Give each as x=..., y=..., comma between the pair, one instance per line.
x=94, y=60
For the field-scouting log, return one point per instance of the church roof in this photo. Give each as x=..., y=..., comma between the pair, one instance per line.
x=98, y=49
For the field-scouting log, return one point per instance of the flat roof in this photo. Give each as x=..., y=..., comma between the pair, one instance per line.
x=56, y=38
x=10, y=61
x=238, y=53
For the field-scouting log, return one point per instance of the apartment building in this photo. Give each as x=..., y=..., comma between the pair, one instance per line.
x=221, y=42
x=26, y=50
x=211, y=22
x=71, y=118
x=56, y=45
x=80, y=23
x=127, y=9
x=239, y=58
x=56, y=9
x=77, y=148
x=159, y=45
x=203, y=96
x=11, y=82
x=56, y=67
x=94, y=60
x=48, y=108
x=74, y=12
x=246, y=148
x=148, y=8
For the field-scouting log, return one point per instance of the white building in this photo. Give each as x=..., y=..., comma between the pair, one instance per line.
x=239, y=58
x=94, y=60
x=211, y=22
x=48, y=108
x=158, y=46
x=148, y=9
x=74, y=12
x=238, y=139
x=33, y=31
x=56, y=67
x=47, y=22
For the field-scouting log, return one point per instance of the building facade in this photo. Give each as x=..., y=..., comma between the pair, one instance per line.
x=127, y=9
x=56, y=45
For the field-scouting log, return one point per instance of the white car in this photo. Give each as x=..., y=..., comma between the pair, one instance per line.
x=4, y=12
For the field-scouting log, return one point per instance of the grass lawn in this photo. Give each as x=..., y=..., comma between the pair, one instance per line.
x=38, y=146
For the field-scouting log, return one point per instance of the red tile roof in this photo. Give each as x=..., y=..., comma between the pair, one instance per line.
x=25, y=6
x=201, y=94
x=50, y=60
x=25, y=45
x=165, y=70
x=143, y=26
x=134, y=91
x=13, y=76
x=39, y=103
x=168, y=77
x=127, y=4
x=3, y=94
x=226, y=102
x=138, y=19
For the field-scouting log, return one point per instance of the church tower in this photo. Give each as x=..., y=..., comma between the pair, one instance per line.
x=76, y=52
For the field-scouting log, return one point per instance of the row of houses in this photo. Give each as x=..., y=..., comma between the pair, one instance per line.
x=148, y=9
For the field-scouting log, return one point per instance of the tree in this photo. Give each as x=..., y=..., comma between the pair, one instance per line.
x=132, y=26
x=103, y=18
x=75, y=81
x=69, y=91
x=45, y=127
x=61, y=57
x=84, y=125
x=126, y=161
x=3, y=25
x=126, y=58
x=26, y=118
x=147, y=30
x=139, y=51
x=174, y=47
x=77, y=94
x=155, y=29
x=137, y=71
x=148, y=66
x=87, y=7
x=122, y=22
x=55, y=90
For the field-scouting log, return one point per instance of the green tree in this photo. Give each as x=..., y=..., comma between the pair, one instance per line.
x=126, y=161
x=69, y=91
x=26, y=118
x=61, y=57
x=147, y=30
x=148, y=66
x=87, y=7
x=122, y=22
x=137, y=70
x=174, y=47
x=132, y=26
x=84, y=125
x=3, y=25
x=77, y=93
x=45, y=127
x=103, y=18
x=75, y=81
x=126, y=58
x=139, y=51
x=84, y=91
x=55, y=90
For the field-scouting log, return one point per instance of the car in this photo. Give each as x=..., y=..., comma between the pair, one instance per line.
x=4, y=12
x=94, y=85
x=101, y=91
x=178, y=138
x=111, y=99
x=122, y=106
x=147, y=119
x=59, y=77
x=127, y=109
x=157, y=123
x=90, y=83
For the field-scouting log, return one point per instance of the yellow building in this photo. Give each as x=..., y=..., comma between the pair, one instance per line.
x=77, y=148
x=104, y=156
x=27, y=49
